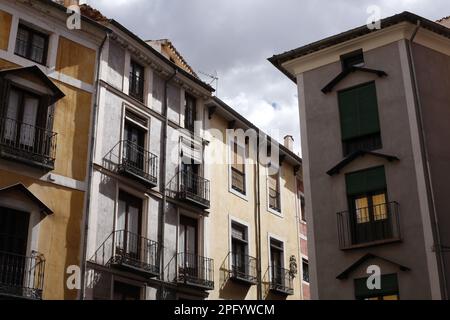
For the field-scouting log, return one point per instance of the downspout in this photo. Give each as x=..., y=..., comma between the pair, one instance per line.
x=258, y=223
x=163, y=170
x=91, y=169
x=425, y=156
x=297, y=221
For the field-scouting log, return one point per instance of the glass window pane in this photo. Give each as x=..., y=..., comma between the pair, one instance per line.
x=379, y=207
x=12, y=115
x=38, y=48
x=28, y=127
x=22, y=42
x=362, y=210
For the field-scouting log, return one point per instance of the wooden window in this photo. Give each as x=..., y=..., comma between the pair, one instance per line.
x=360, y=127
x=355, y=58
x=305, y=267
x=190, y=112
x=274, y=191
x=238, y=168
x=276, y=261
x=133, y=153
x=136, y=81
x=239, y=248
x=368, y=204
x=31, y=44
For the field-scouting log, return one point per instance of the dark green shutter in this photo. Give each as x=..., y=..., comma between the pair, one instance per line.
x=366, y=181
x=358, y=110
x=389, y=286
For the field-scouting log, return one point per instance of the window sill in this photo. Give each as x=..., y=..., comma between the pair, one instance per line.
x=275, y=212
x=238, y=194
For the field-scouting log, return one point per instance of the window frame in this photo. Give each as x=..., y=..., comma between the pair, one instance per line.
x=231, y=145
x=133, y=84
x=305, y=261
x=192, y=112
x=244, y=243
x=33, y=32
x=272, y=210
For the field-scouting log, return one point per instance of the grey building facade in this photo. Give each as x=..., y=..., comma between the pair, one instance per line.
x=374, y=121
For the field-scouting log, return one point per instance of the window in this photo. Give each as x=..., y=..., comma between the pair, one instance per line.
x=360, y=128
x=368, y=204
x=277, y=261
x=274, y=190
x=355, y=58
x=136, y=81
x=31, y=44
x=305, y=267
x=128, y=226
x=239, y=249
x=190, y=112
x=124, y=291
x=238, y=168
x=303, y=207
x=389, y=289
x=188, y=235
x=133, y=153
x=24, y=119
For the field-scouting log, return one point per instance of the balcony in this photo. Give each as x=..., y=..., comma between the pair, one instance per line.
x=242, y=269
x=195, y=271
x=369, y=226
x=134, y=162
x=21, y=277
x=281, y=281
x=274, y=200
x=191, y=188
x=27, y=144
x=129, y=252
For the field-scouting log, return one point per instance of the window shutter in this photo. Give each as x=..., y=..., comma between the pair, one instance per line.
x=358, y=109
x=366, y=181
x=4, y=95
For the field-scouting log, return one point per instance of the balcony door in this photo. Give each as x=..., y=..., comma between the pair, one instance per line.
x=239, y=250
x=128, y=227
x=276, y=261
x=133, y=152
x=13, y=246
x=23, y=123
x=187, y=246
x=371, y=218
x=190, y=178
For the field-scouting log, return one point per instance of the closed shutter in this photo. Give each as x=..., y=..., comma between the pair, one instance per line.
x=366, y=181
x=389, y=286
x=358, y=109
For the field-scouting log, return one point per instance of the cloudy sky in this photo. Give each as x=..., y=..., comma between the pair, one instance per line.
x=235, y=37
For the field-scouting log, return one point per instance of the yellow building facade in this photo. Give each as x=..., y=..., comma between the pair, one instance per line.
x=47, y=78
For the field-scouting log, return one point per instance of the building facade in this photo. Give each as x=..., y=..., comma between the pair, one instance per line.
x=46, y=104
x=373, y=111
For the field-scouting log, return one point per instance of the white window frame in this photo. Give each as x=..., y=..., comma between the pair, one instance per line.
x=231, y=220
x=269, y=250
x=269, y=209
x=230, y=144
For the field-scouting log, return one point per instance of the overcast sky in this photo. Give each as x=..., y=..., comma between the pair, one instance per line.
x=235, y=37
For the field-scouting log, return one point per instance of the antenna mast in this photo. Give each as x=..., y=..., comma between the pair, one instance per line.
x=214, y=79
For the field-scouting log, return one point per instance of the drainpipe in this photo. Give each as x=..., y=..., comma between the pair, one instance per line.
x=91, y=170
x=425, y=156
x=297, y=221
x=258, y=222
x=163, y=183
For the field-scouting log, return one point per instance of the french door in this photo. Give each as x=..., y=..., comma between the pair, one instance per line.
x=188, y=243
x=128, y=227
x=133, y=152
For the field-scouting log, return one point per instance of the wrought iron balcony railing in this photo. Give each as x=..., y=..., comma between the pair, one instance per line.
x=135, y=162
x=21, y=276
x=191, y=188
x=27, y=143
x=274, y=200
x=129, y=251
x=243, y=268
x=369, y=226
x=194, y=270
x=281, y=281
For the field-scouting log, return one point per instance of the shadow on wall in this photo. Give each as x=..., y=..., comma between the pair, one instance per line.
x=230, y=290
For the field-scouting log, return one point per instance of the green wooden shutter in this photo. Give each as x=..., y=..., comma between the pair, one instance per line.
x=358, y=110
x=389, y=286
x=366, y=181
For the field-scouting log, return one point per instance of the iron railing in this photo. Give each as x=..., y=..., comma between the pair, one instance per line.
x=195, y=270
x=21, y=276
x=131, y=160
x=129, y=250
x=281, y=280
x=367, y=226
x=194, y=188
x=243, y=268
x=274, y=200
x=238, y=180
x=27, y=143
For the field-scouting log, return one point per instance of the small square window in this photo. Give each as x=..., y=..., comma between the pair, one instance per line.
x=352, y=59
x=31, y=44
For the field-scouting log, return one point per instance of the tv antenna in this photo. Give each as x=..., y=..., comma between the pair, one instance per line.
x=214, y=79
